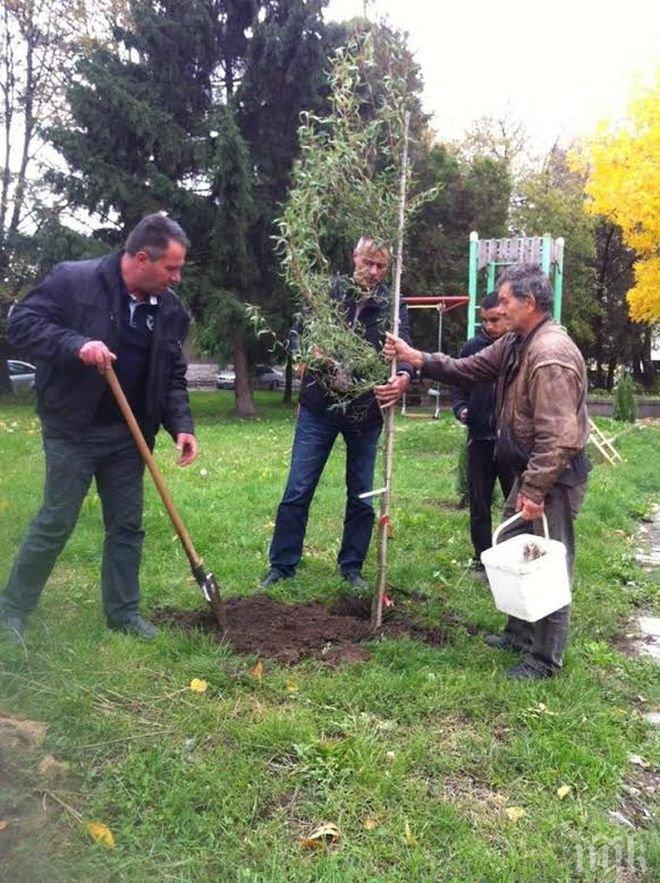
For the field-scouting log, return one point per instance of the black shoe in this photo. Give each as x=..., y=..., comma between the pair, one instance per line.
x=12, y=627
x=274, y=576
x=356, y=581
x=501, y=642
x=137, y=626
x=526, y=672
x=478, y=571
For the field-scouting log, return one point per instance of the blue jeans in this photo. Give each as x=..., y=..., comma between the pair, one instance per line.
x=314, y=437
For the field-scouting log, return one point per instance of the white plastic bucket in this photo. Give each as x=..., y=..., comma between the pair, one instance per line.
x=527, y=589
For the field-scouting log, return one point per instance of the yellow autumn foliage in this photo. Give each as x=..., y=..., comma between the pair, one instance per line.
x=624, y=186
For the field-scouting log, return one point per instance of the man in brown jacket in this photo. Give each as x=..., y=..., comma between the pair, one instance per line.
x=542, y=429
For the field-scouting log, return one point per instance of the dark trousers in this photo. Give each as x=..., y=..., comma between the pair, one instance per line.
x=544, y=641
x=313, y=440
x=483, y=471
x=109, y=456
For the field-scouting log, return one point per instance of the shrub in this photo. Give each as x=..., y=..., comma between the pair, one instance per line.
x=625, y=408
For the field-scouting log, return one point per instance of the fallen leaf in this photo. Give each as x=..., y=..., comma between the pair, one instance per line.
x=100, y=833
x=257, y=671
x=197, y=685
x=291, y=687
x=563, y=791
x=514, y=813
x=3, y=824
x=371, y=823
x=411, y=840
x=327, y=832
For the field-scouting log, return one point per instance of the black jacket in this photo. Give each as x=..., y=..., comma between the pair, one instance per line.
x=479, y=400
x=80, y=301
x=374, y=320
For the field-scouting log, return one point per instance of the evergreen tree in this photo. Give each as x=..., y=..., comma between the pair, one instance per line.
x=625, y=408
x=194, y=111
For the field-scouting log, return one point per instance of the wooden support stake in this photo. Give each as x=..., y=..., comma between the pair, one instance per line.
x=388, y=432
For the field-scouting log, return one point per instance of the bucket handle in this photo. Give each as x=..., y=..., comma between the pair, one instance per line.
x=515, y=518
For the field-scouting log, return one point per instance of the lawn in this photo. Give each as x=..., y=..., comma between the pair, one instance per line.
x=431, y=765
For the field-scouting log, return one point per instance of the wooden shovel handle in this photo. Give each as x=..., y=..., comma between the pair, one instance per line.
x=150, y=463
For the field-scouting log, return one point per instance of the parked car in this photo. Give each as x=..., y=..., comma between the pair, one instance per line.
x=225, y=378
x=261, y=377
x=21, y=375
x=267, y=377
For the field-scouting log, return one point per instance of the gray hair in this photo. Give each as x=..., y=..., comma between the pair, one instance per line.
x=153, y=234
x=528, y=280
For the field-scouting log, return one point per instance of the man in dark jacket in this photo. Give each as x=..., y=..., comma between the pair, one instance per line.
x=476, y=408
x=82, y=318
x=320, y=421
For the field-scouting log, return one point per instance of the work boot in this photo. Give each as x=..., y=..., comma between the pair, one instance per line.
x=356, y=581
x=501, y=642
x=12, y=627
x=478, y=571
x=137, y=626
x=274, y=576
x=524, y=671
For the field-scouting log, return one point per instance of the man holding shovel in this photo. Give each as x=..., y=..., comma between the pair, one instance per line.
x=542, y=430
x=83, y=318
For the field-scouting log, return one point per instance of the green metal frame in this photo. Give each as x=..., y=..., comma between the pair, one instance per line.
x=492, y=254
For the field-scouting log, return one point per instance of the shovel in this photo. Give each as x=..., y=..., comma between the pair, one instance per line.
x=204, y=578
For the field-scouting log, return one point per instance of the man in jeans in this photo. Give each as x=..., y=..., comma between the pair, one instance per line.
x=82, y=318
x=542, y=429
x=320, y=421
x=475, y=408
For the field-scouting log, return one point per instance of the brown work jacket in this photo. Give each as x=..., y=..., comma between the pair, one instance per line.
x=540, y=403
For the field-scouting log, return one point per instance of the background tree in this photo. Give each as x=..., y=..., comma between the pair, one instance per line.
x=550, y=199
x=186, y=113
x=624, y=186
x=39, y=41
x=472, y=193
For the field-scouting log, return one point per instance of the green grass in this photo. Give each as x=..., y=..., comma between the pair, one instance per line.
x=223, y=785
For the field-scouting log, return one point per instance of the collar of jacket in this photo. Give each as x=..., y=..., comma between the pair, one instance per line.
x=110, y=270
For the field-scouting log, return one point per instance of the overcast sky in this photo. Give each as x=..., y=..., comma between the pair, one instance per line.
x=559, y=66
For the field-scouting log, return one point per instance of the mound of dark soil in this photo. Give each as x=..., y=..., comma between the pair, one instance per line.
x=289, y=632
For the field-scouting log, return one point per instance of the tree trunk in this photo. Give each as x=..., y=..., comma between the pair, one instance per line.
x=288, y=381
x=243, y=396
x=28, y=131
x=8, y=88
x=5, y=382
x=648, y=378
x=611, y=366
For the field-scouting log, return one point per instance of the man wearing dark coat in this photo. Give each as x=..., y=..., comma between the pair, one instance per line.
x=476, y=409
x=365, y=306
x=84, y=317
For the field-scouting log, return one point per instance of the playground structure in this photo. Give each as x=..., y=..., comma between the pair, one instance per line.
x=442, y=305
x=492, y=255
x=495, y=254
